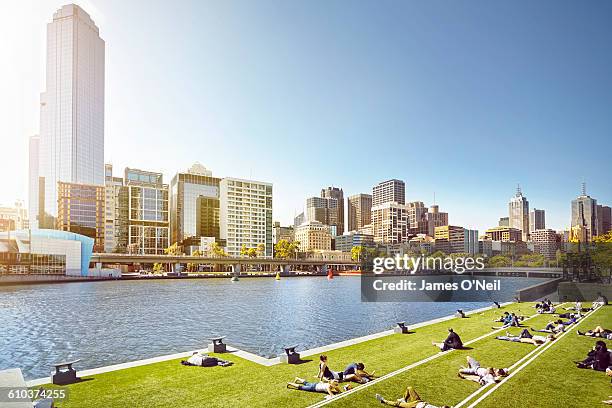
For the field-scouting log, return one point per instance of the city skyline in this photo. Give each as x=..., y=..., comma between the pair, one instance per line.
x=475, y=202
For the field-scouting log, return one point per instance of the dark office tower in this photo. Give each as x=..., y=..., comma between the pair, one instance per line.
x=584, y=217
x=338, y=194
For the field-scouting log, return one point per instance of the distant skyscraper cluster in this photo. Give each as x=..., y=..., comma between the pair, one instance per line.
x=72, y=189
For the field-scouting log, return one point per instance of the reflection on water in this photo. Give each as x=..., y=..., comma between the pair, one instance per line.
x=113, y=322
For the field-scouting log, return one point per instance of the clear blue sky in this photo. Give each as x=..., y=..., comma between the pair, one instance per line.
x=464, y=98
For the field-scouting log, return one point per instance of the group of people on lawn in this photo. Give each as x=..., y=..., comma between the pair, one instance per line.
x=328, y=381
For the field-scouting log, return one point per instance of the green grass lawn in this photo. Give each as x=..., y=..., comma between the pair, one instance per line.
x=437, y=381
x=169, y=384
x=552, y=380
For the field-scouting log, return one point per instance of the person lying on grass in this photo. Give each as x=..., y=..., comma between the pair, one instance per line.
x=597, y=332
x=578, y=308
x=526, y=337
x=410, y=400
x=356, y=372
x=573, y=317
x=481, y=375
x=548, y=310
x=597, y=359
x=330, y=388
x=552, y=327
x=511, y=321
x=453, y=341
x=204, y=360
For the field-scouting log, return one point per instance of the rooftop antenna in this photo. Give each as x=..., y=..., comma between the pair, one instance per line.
x=518, y=190
x=434, y=198
x=583, y=188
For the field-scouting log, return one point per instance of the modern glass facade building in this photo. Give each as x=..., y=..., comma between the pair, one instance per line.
x=185, y=190
x=45, y=252
x=584, y=217
x=71, y=145
x=148, y=219
x=81, y=210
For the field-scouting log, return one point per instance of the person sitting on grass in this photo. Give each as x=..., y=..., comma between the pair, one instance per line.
x=481, y=375
x=597, y=359
x=356, y=372
x=526, y=337
x=204, y=360
x=460, y=314
x=326, y=373
x=503, y=318
x=453, y=341
x=510, y=321
x=410, y=400
x=330, y=388
x=597, y=332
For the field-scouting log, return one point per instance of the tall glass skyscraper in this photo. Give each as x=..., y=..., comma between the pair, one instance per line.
x=72, y=107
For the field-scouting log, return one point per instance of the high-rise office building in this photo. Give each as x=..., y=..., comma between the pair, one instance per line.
x=71, y=146
x=390, y=191
x=148, y=215
x=359, y=211
x=518, y=213
x=435, y=218
x=33, y=203
x=326, y=210
x=390, y=223
x=207, y=221
x=604, y=219
x=338, y=194
x=504, y=222
x=546, y=242
x=537, y=220
x=452, y=239
x=80, y=209
x=246, y=215
x=185, y=190
x=584, y=217
x=116, y=212
x=417, y=218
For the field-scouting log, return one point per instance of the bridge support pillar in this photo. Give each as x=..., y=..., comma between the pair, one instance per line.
x=324, y=269
x=286, y=268
x=236, y=269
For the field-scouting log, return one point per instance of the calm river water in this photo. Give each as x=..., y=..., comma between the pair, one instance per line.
x=106, y=323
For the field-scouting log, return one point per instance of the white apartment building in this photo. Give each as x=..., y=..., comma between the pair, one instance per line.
x=245, y=215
